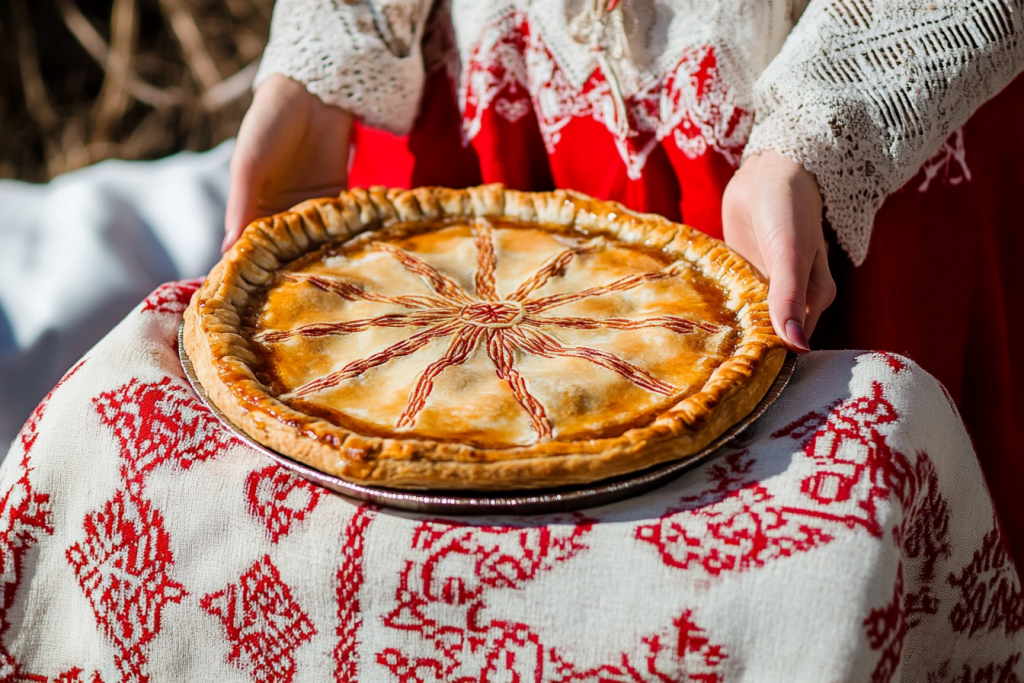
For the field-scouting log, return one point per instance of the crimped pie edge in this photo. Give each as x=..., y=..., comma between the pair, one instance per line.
x=222, y=357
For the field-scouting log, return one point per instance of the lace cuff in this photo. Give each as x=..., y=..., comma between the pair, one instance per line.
x=363, y=57
x=865, y=91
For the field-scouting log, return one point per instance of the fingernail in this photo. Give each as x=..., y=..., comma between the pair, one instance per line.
x=226, y=244
x=795, y=332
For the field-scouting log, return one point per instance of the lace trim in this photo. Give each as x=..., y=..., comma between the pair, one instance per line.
x=364, y=58
x=865, y=91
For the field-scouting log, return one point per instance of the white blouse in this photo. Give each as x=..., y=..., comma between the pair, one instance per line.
x=860, y=92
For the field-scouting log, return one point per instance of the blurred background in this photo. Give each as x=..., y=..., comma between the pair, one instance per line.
x=86, y=80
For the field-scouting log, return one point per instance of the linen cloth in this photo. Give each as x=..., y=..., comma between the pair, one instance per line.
x=847, y=537
x=78, y=253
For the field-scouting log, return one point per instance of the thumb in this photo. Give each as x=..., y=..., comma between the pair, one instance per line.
x=787, y=300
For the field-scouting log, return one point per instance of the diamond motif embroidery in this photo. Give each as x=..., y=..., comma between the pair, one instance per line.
x=263, y=622
x=279, y=499
x=122, y=567
x=160, y=421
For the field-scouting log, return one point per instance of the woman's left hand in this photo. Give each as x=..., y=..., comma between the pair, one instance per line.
x=771, y=214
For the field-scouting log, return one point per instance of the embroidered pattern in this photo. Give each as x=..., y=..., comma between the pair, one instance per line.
x=171, y=297
x=123, y=565
x=25, y=517
x=886, y=629
x=157, y=422
x=122, y=568
x=279, y=499
x=681, y=653
x=990, y=594
x=511, y=70
x=349, y=582
x=737, y=524
x=501, y=325
x=263, y=622
x=450, y=571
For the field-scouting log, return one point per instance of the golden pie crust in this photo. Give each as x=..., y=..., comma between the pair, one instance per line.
x=480, y=339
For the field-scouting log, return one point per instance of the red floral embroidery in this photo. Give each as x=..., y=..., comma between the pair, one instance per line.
x=171, y=297
x=349, y=583
x=993, y=672
x=990, y=594
x=77, y=675
x=25, y=517
x=737, y=524
x=279, y=499
x=681, y=653
x=264, y=623
x=160, y=421
x=895, y=362
x=456, y=566
x=924, y=534
x=886, y=629
x=122, y=567
x=512, y=71
x=732, y=527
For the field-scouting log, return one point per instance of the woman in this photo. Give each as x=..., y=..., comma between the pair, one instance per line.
x=656, y=104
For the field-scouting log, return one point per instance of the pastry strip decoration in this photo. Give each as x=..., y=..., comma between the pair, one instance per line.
x=505, y=326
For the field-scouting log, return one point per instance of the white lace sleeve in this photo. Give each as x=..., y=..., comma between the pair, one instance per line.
x=864, y=91
x=363, y=56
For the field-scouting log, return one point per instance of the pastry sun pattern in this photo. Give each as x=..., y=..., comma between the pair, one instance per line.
x=504, y=325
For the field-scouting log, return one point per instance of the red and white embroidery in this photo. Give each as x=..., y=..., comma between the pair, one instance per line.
x=450, y=572
x=924, y=534
x=886, y=629
x=682, y=652
x=171, y=297
x=279, y=499
x=122, y=568
x=1004, y=671
x=263, y=622
x=77, y=675
x=511, y=70
x=738, y=524
x=990, y=594
x=25, y=517
x=157, y=422
x=349, y=582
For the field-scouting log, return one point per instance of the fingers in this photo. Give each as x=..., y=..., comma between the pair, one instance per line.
x=787, y=296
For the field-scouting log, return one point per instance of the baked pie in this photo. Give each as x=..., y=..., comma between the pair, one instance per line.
x=480, y=339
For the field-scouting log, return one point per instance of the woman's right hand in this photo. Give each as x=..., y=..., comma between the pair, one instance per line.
x=291, y=147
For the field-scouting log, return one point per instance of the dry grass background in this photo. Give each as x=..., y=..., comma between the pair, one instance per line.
x=86, y=80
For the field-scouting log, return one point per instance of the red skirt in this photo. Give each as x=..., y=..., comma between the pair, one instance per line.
x=943, y=282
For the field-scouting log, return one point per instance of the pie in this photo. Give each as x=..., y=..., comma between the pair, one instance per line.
x=480, y=339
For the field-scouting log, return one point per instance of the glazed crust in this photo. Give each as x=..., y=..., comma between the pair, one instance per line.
x=226, y=362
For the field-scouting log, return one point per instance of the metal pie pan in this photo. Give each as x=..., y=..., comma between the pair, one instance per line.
x=561, y=499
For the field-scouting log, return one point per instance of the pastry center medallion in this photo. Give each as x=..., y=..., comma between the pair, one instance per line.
x=498, y=315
